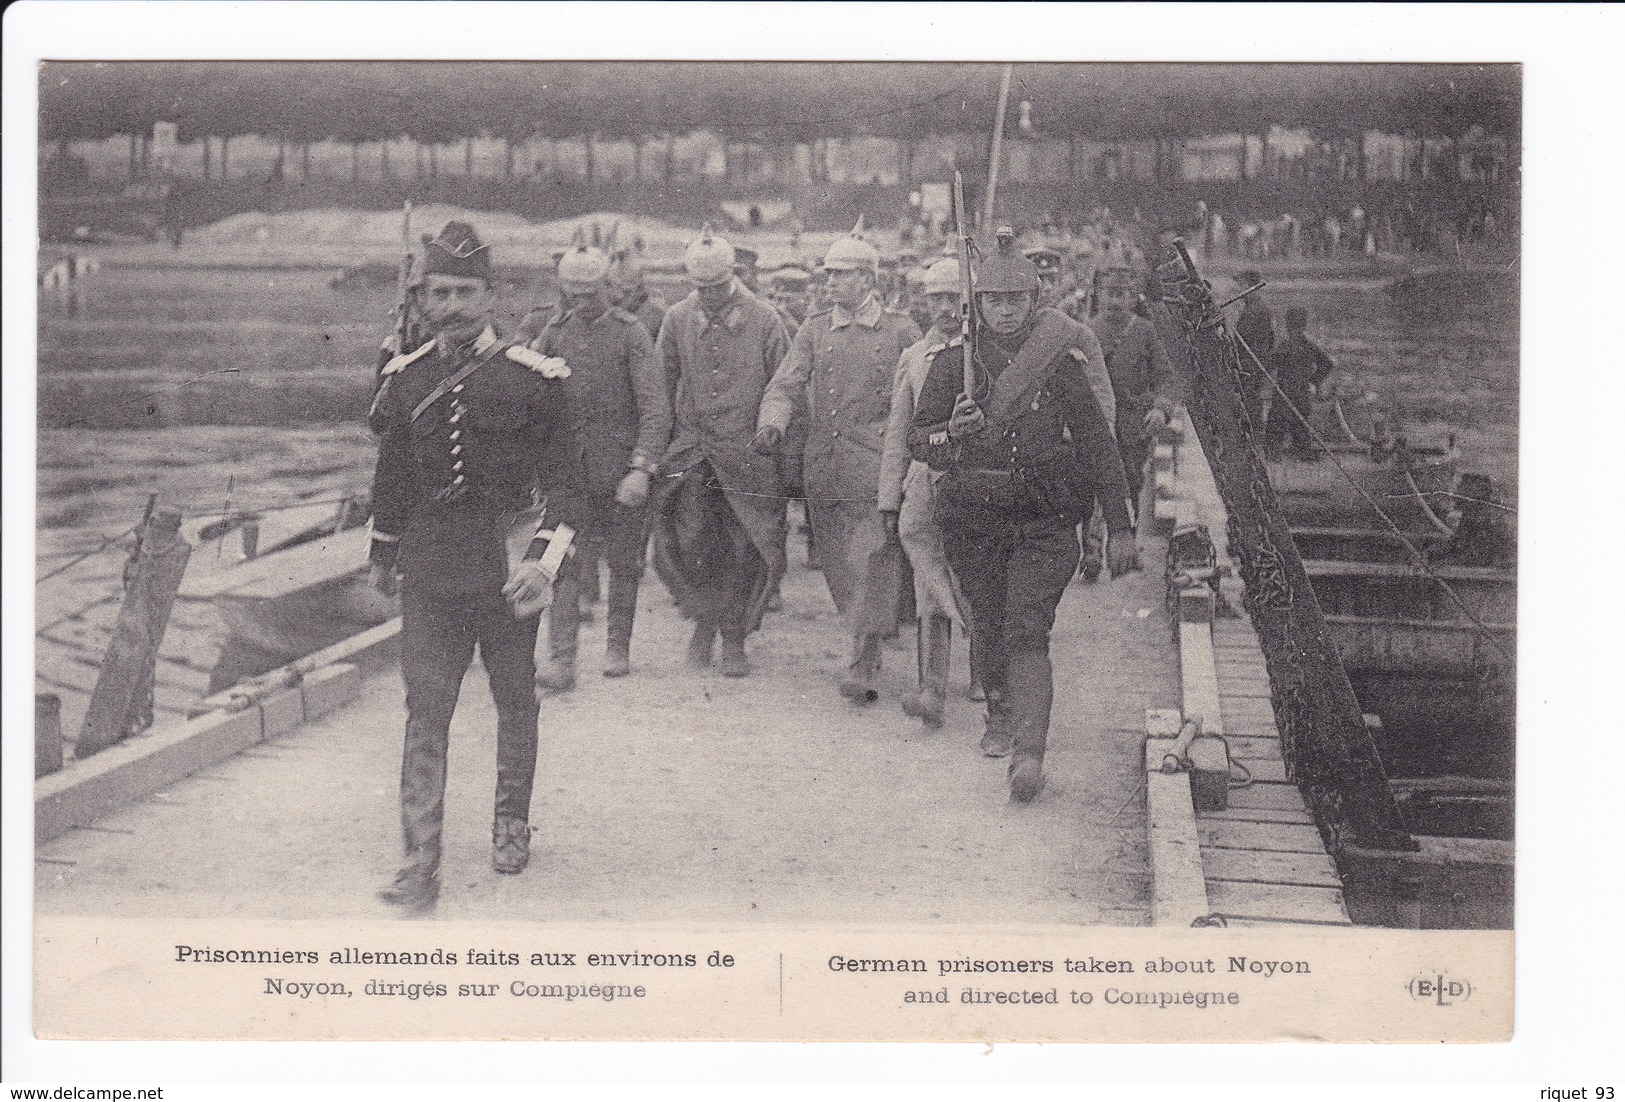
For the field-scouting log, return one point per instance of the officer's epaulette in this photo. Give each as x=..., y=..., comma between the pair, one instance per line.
x=400, y=363
x=622, y=315
x=1078, y=354
x=548, y=367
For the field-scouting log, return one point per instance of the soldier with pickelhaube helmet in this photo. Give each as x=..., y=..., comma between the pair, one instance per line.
x=1025, y=453
x=719, y=523
x=840, y=368
x=629, y=289
x=471, y=429
x=617, y=388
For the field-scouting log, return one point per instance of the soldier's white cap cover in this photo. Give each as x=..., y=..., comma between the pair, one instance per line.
x=852, y=252
x=709, y=259
x=582, y=263
x=942, y=278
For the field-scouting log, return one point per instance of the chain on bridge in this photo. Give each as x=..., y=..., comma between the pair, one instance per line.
x=1330, y=754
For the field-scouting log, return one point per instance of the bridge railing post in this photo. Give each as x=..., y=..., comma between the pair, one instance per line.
x=120, y=703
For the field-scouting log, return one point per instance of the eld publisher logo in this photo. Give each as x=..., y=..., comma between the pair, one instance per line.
x=1440, y=990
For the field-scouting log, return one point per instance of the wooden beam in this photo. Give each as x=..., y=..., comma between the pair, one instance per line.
x=1178, y=890
x=133, y=650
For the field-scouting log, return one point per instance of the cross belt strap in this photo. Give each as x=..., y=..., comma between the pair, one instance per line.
x=443, y=387
x=1018, y=384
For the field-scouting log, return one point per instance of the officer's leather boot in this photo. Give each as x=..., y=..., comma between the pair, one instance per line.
x=623, y=607
x=699, y=645
x=416, y=887
x=733, y=662
x=510, y=845
x=927, y=703
x=859, y=683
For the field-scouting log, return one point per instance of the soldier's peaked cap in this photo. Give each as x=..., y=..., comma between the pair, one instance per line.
x=790, y=276
x=1044, y=258
x=457, y=251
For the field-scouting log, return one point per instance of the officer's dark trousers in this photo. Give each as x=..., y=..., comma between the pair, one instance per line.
x=625, y=533
x=439, y=633
x=1013, y=570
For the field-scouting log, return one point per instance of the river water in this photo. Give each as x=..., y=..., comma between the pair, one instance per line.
x=167, y=379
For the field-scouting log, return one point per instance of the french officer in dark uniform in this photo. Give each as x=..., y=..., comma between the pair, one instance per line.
x=1025, y=456
x=470, y=428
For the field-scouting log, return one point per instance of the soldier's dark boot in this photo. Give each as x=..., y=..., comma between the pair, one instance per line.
x=927, y=703
x=699, y=645
x=623, y=607
x=859, y=683
x=732, y=662
x=416, y=887
x=558, y=674
x=1031, y=689
x=997, y=739
x=510, y=845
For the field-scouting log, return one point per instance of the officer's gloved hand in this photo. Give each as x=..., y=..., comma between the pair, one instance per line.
x=527, y=584
x=1156, y=419
x=888, y=521
x=1122, y=553
x=633, y=490
x=767, y=440
x=967, y=420
x=383, y=579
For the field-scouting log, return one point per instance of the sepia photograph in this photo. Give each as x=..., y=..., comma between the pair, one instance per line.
x=834, y=630
x=1008, y=550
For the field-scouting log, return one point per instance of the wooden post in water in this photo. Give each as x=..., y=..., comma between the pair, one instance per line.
x=47, y=734
x=127, y=668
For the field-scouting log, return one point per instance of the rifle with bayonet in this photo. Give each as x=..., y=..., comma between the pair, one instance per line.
x=405, y=312
x=967, y=305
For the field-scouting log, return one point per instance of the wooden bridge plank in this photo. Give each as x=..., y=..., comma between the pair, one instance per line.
x=1309, y=870
x=1260, y=837
x=1273, y=797
x=1261, y=902
x=1270, y=770
x=1255, y=815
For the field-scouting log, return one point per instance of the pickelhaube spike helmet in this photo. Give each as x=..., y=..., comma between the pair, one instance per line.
x=1004, y=268
x=943, y=278
x=709, y=259
x=625, y=270
x=852, y=253
x=457, y=251
x=582, y=263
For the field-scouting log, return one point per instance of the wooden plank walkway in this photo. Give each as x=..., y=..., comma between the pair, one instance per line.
x=1263, y=860
x=75, y=610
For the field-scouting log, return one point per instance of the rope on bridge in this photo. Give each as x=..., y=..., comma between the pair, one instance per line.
x=1418, y=559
